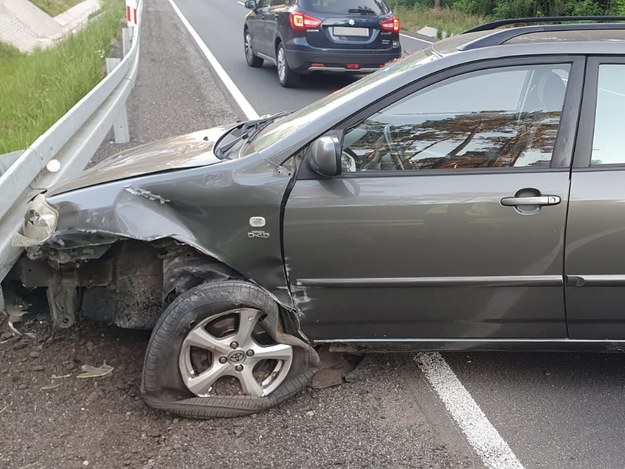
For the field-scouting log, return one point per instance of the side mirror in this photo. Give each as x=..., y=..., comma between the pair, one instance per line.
x=250, y=4
x=325, y=156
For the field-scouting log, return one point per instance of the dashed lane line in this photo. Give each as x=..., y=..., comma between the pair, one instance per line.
x=243, y=103
x=480, y=433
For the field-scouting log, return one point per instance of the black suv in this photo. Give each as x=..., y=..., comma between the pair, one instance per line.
x=301, y=36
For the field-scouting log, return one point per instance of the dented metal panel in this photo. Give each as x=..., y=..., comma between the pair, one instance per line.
x=208, y=208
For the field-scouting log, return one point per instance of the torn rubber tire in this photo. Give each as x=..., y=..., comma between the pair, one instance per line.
x=219, y=350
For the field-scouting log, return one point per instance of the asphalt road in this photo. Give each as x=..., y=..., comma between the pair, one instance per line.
x=220, y=26
x=553, y=410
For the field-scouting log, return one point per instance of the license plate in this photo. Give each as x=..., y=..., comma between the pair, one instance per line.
x=347, y=31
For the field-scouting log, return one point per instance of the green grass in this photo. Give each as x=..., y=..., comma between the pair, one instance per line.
x=55, y=7
x=38, y=88
x=446, y=20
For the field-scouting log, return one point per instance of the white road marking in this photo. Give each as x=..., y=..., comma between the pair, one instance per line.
x=416, y=38
x=480, y=433
x=241, y=3
x=243, y=103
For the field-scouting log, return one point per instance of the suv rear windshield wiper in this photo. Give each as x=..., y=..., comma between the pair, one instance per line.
x=366, y=11
x=243, y=132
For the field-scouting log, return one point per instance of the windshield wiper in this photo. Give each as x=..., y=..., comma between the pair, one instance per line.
x=366, y=11
x=245, y=131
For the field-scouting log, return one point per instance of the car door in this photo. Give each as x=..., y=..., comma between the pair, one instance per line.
x=258, y=30
x=595, y=264
x=273, y=22
x=448, y=220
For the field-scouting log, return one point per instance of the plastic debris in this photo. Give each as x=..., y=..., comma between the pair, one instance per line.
x=50, y=386
x=60, y=377
x=18, y=333
x=90, y=371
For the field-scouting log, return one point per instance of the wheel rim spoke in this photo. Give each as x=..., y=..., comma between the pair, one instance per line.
x=248, y=318
x=280, y=352
x=235, y=353
x=281, y=63
x=198, y=337
x=249, y=384
x=202, y=383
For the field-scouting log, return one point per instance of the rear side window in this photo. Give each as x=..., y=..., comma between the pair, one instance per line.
x=608, y=145
x=363, y=7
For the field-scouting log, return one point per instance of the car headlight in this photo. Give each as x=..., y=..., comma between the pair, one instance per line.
x=39, y=223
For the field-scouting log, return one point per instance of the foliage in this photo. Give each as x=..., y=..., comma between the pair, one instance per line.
x=446, y=20
x=525, y=8
x=619, y=7
x=37, y=89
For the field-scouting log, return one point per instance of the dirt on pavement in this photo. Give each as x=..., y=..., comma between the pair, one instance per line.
x=50, y=418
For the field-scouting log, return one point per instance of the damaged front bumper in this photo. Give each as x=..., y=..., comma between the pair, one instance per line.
x=40, y=223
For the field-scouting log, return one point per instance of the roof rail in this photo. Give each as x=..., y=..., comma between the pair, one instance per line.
x=543, y=19
x=502, y=36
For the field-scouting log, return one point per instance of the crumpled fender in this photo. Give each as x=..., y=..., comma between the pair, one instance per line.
x=208, y=208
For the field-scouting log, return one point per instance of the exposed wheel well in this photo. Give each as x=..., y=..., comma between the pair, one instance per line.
x=128, y=283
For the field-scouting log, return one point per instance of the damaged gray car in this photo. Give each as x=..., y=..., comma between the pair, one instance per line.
x=465, y=197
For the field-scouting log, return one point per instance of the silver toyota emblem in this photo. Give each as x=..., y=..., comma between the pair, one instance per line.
x=351, y=22
x=237, y=356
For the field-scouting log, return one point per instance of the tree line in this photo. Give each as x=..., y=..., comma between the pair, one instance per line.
x=524, y=8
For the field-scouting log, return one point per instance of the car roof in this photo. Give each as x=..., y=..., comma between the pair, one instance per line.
x=486, y=36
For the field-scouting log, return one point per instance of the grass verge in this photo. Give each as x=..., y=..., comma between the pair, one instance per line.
x=446, y=20
x=55, y=7
x=38, y=88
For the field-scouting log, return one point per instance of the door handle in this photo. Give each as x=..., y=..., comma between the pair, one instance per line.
x=539, y=200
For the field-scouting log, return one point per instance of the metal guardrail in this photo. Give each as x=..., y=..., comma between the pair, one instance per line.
x=72, y=141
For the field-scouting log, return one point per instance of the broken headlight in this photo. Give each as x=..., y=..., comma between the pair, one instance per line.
x=39, y=223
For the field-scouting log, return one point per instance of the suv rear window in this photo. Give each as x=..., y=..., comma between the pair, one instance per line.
x=372, y=7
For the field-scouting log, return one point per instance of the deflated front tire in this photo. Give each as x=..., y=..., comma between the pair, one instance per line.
x=219, y=350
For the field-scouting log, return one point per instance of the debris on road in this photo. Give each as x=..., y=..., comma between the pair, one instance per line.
x=90, y=371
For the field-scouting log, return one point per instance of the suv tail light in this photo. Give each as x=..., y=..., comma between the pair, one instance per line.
x=299, y=21
x=391, y=24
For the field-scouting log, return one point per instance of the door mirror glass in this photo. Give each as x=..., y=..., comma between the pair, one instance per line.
x=251, y=4
x=325, y=156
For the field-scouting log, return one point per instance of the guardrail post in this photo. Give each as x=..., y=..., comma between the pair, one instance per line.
x=120, y=126
x=126, y=40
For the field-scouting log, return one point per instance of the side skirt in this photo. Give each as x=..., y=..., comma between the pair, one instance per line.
x=472, y=345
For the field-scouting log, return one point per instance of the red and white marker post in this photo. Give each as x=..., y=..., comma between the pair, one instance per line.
x=131, y=12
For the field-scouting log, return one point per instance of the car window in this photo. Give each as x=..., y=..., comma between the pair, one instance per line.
x=608, y=145
x=275, y=3
x=373, y=7
x=505, y=117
